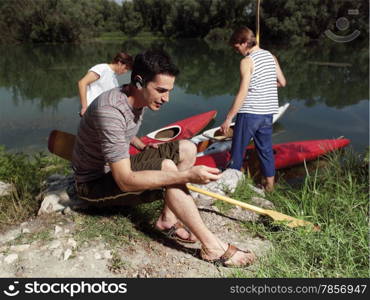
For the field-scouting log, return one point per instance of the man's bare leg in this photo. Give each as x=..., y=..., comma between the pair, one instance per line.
x=180, y=204
x=167, y=219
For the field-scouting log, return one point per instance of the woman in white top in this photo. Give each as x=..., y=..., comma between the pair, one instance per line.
x=101, y=78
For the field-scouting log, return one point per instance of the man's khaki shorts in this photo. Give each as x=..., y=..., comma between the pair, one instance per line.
x=104, y=191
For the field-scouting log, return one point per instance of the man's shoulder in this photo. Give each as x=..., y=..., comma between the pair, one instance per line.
x=113, y=99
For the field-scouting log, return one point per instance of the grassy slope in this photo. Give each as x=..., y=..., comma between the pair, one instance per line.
x=335, y=196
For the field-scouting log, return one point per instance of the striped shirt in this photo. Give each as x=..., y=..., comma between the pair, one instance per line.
x=104, y=135
x=262, y=97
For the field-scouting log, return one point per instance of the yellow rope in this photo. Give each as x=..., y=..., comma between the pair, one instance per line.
x=258, y=23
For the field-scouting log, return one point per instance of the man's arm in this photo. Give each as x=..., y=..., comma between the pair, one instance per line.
x=246, y=68
x=137, y=143
x=129, y=180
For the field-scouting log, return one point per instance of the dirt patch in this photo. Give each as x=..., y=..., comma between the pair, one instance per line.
x=49, y=246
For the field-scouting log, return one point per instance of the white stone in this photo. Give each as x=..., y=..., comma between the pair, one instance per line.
x=66, y=231
x=226, y=184
x=257, y=190
x=24, y=224
x=25, y=230
x=55, y=244
x=11, y=258
x=57, y=229
x=67, y=211
x=10, y=235
x=71, y=242
x=264, y=203
x=57, y=253
x=50, y=204
x=19, y=248
x=97, y=256
x=6, y=188
x=107, y=254
x=67, y=254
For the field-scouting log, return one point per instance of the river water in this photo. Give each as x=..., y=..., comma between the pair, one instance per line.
x=328, y=89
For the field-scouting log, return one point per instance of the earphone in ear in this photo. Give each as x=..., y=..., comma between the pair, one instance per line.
x=139, y=82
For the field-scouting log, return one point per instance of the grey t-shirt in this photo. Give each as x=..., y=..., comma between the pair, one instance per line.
x=104, y=135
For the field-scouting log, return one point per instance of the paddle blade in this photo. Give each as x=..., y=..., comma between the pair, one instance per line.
x=61, y=143
x=289, y=220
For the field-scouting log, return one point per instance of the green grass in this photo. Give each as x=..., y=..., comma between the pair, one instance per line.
x=335, y=195
x=27, y=174
x=337, y=198
x=117, y=265
x=113, y=229
x=44, y=235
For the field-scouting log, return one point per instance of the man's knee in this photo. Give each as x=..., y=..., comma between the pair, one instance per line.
x=168, y=165
x=187, y=149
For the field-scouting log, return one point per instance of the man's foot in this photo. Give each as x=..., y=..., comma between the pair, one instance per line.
x=232, y=257
x=268, y=188
x=177, y=232
x=269, y=184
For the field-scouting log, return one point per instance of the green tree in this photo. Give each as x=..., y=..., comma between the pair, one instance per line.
x=131, y=21
x=54, y=20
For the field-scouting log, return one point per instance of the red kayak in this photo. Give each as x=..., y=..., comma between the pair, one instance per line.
x=61, y=143
x=286, y=154
x=183, y=129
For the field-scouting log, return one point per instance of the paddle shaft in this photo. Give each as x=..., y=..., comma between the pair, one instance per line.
x=256, y=209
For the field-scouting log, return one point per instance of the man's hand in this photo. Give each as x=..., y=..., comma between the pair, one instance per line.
x=203, y=174
x=151, y=145
x=225, y=127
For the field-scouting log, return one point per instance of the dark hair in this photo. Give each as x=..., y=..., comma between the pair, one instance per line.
x=151, y=63
x=242, y=35
x=123, y=58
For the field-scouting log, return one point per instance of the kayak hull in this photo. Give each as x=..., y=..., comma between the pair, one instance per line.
x=285, y=154
x=183, y=129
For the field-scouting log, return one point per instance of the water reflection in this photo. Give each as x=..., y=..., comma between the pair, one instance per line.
x=38, y=88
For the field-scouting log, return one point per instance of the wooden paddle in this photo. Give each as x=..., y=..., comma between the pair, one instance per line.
x=61, y=143
x=276, y=216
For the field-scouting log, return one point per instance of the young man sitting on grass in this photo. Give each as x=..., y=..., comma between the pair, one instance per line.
x=106, y=173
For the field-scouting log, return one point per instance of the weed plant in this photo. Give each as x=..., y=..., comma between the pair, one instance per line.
x=336, y=197
x=26, y=174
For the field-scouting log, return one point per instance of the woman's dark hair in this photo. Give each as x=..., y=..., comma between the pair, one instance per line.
x=123, y=58
x=151, y=63
x=242, y=35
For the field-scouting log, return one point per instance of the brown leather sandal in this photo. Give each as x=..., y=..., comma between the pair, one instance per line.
x=229, y=253
x=171, y=233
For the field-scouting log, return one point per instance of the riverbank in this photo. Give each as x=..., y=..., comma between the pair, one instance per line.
x=122, y=243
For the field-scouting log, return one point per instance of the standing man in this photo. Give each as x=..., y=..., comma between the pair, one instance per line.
x=105, y=172
x=255, y=103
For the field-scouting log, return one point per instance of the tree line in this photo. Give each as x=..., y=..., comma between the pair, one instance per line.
x=205, y=71
x=282, y=21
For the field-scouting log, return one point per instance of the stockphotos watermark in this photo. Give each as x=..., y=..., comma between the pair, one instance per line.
x=70, y=289
x=342, y=24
